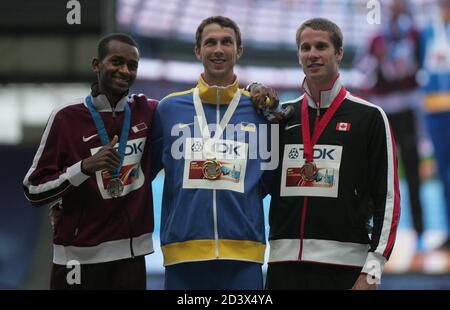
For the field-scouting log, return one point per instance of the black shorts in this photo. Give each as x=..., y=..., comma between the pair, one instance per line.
x=304, y=276
x=122, y=274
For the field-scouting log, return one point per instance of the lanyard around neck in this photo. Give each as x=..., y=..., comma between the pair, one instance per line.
x=100, y=125
x=319, y=124
x=203, y=124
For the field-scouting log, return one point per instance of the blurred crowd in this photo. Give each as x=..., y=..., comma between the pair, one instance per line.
x=407, y=73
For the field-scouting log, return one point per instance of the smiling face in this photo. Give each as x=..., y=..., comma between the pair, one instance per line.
x=318, y=57
x=219, y=53
x=117, y=71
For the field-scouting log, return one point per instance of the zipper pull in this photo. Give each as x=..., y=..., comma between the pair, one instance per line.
x=316, y=123
x=76, y=231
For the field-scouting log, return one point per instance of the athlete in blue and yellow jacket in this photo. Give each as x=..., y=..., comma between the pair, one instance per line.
x=212, y=223
x=208, y=217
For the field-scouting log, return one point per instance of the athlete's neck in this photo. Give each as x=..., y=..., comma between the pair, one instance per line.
x=221, y=82
x=316, y=88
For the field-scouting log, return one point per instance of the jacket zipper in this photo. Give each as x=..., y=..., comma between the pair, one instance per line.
x=131, y=233
x=126, y=213
x=302, y=226
x=113, y=108
x=216, y=231
x=305, y=201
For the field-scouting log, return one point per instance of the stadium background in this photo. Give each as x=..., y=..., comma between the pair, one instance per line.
x=45, y=62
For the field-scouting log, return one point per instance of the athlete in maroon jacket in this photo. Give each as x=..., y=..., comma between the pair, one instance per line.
x=93, y=165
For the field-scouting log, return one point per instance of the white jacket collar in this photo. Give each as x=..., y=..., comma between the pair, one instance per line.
x=326, y=96
x=101, y=103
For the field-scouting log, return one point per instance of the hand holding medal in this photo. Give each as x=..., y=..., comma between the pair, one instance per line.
x=106, y=158
x=113, y=159
x=263, y=98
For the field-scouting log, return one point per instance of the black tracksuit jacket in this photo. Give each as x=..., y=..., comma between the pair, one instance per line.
x=356, y=224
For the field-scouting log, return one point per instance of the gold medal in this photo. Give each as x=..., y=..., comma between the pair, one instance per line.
x=212, y=169
x=308, y=171
x=115, y=187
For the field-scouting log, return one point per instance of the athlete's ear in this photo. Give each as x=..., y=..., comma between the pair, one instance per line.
x=198, y=53
x=299, y=58
x=240, y=51
x=339, y=55
x=95, y=64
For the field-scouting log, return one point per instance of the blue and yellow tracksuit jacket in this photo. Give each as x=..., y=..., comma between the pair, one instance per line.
x=200, y=224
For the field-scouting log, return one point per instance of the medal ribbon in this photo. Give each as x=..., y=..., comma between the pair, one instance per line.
x=203, y=124
x=319, y=125
x=104, y=135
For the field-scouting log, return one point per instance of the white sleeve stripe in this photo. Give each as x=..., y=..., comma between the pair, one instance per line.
x=390, y=194
x=49, y=198
x=40, y=150
x=41, y=188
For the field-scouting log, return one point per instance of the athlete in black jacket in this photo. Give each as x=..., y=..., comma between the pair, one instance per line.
x=335, y=200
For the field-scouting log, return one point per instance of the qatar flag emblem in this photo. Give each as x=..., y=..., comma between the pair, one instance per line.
x=343, y=126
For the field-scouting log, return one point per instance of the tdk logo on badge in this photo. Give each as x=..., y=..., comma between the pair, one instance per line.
x=227, y=148
x=134, y=147
x=322, y=153
x=219, y=147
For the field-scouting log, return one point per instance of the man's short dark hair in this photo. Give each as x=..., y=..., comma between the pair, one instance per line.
x=102, y=47
x=322, y=24
x=221, y=21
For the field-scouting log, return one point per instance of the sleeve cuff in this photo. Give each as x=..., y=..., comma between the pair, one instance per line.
x=76, y=177
x=374, y=266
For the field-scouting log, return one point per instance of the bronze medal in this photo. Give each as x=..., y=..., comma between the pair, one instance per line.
x=212, y=169
x=309, y=171
x=115, y=187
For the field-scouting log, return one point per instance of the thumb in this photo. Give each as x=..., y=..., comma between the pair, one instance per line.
x=114, y=141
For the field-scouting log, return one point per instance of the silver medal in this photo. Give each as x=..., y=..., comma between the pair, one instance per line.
x=115, y=187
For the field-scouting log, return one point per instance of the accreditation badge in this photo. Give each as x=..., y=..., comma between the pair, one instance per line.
x=317, y=178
